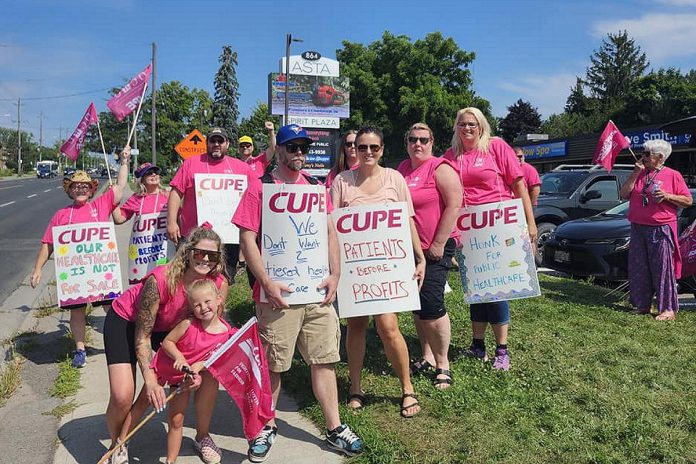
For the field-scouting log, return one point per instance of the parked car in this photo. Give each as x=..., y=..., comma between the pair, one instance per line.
x=69, y=171
x=597, y=246
x=573, y=191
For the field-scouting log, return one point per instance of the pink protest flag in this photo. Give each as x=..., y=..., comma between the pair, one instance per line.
x=71, y=147
x=128, y=98
x=611, y=142
x=240, y=366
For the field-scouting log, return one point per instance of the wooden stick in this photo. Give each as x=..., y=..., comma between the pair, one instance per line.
x=137, y=112
x=106, y=161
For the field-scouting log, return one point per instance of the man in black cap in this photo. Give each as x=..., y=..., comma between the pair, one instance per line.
x=182, y=214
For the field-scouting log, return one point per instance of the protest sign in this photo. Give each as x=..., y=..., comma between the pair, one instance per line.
x=87, y=264
x=148, y=246
x=294, y=241
x=497, y=262
x=217, y=198
x=377, y=262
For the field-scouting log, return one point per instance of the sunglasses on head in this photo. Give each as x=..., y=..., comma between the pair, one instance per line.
x=422, y=140
x=213, y=256
x=373, y=148
x=349, y=144
x=293, y=147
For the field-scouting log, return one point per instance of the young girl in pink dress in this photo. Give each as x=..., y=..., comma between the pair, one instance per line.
x=186, y=347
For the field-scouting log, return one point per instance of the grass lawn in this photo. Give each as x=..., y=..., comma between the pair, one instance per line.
x=589, y=383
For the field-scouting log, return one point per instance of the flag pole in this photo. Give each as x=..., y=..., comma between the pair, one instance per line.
x=137, y=112
x=106, y=161
x=232, y=340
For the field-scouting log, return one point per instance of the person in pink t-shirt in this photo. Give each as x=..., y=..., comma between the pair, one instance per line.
x=80, y=187
x=182, y=215
x=489, y=172
x=373, y=184
x=141, y=318
x=347, y=157
x=530, y=175
x=437, y=196
x=259, y=163
x=654, y=192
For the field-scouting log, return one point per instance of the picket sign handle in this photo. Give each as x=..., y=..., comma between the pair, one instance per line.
x=106, y=161
x=225, y=346
x=137, y=113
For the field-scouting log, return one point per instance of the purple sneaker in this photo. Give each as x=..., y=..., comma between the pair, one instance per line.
x=501, y=361
x=474, y=352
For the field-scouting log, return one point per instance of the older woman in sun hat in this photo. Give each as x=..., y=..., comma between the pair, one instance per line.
x=655, y=192
x=80, y=187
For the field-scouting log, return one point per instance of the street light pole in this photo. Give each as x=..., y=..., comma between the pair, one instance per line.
x=288, y=40
x=19, y=137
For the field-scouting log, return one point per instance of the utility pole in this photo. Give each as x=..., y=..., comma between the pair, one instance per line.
x=19, y=137
x=154, y=107
x=40, y=133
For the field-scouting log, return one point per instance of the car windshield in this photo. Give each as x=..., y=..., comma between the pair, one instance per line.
x=619, y=210
x=561, y=183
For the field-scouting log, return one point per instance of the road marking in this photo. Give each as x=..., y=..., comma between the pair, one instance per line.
x=10, y=187
x=47, y=190
x=31, y=196
x=8, y=203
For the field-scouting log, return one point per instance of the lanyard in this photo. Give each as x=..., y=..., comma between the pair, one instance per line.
x=72, y=208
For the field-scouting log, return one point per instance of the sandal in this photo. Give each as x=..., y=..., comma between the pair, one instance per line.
x=666, y=316
x=448, y=381
x=407, y=407
x=420, y=367
x=359, y=398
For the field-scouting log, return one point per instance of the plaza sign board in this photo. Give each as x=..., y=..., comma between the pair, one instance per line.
x=322, y=67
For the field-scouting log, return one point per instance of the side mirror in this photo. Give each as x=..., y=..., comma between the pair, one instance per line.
x=590, y=195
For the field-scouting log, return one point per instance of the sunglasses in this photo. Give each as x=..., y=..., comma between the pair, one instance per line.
x=244, y=145
x=218, y=140
x=213, y=256
x=471, y=125
x=79, y=187
x=648, y=154
x=373, y=148
x=422, y=140
x=293, y=147
x=349, y=144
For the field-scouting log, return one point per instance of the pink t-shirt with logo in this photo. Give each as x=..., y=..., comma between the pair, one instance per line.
x=258, y=164
x=145, y=204
x=427, y=200
x=654, y=214
x=248, y=214
x=172, y=308
x=98, y=210
x=183, y=181
x=487, y=177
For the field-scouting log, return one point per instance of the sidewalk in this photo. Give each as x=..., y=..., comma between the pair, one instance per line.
x=84, y=438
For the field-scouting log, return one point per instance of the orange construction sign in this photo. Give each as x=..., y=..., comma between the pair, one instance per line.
x=192, y=145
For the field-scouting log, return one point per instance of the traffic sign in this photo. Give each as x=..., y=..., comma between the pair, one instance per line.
x=192, y=145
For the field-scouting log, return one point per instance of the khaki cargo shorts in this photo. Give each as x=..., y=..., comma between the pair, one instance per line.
x=314, y=328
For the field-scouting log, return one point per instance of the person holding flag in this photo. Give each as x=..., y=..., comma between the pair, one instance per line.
x=654, y=192
x=80, y=187
x=259, y=163
x=611, y=142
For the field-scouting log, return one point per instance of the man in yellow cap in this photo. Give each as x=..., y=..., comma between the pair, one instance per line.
x=258, y=164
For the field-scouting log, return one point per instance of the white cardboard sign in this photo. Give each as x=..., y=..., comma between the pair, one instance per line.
x=217, y=198
x=148, y=246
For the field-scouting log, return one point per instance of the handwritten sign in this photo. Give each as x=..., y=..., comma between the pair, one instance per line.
x=148, y=247
x=294, y=239
x=377, y=263
x=87, y=264
x=217, y=198
x=496, y=262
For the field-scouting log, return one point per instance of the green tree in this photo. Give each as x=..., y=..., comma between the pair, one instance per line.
x=225, y=108
x=396, y=82
x=9, y=143
x=253, y=126
x=522, y=118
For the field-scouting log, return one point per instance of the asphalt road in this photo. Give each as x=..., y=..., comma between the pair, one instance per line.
x=26, y=206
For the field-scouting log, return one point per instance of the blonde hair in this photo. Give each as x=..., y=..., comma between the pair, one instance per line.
x=419, y=126
x=180, y=263
x=201, y=285
x=142, y=190
x=484, y=127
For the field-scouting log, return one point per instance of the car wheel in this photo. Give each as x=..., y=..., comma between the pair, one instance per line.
x=543, y=231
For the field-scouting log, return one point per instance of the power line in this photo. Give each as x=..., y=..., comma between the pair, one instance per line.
x=57, y=96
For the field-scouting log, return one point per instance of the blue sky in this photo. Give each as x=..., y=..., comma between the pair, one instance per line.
x=524, y=49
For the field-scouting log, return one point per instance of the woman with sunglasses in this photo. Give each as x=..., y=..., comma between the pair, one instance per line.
x=489, y=172
x=141, y=319
x=437, y=196
x=346, y=159
x=80, y=187
x=373, y=184
x=655, y=192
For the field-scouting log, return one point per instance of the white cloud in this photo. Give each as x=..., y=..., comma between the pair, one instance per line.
x=546, y=92
x=660, y=35
x=678, y=2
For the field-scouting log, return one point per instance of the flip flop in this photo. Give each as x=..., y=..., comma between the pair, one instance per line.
x=420, y=367
x=447, y=381
x=666, y=317
x=359, y=398
x=406, y=408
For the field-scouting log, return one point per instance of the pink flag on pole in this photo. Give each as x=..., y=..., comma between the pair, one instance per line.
x=611, y=142
x=127, y=99
x=240, y=366
x=72, y=146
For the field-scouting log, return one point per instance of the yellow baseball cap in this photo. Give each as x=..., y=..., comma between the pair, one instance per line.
x=245, y=139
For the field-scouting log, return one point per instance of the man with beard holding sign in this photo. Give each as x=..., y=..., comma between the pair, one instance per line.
x=183, y=217
x=292, y=196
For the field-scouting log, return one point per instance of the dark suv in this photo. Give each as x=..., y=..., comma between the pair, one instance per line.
x=573, y=191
